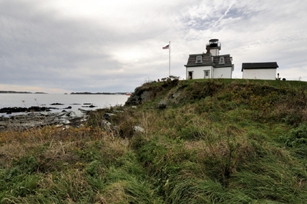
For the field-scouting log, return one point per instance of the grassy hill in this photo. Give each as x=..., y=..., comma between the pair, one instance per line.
x=196, y=141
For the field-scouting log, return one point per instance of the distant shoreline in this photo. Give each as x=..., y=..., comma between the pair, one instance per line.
x=72, y=93
x=102, y=93
x=21, y=92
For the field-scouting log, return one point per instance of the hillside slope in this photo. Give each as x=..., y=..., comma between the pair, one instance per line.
x=197, y=141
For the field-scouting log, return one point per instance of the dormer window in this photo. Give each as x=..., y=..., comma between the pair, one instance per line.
x=199, y=59
x=221, y=60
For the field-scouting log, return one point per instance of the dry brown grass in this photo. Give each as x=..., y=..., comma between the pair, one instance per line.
x=54, y=144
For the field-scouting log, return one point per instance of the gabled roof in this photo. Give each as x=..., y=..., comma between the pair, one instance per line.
x=259, y=65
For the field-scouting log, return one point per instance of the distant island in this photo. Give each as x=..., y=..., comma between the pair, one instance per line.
x=40, y=93
x=102, y=93
x=21, y=92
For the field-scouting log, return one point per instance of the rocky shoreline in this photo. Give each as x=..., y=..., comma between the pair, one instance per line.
x=11, y=110
x=39, y=117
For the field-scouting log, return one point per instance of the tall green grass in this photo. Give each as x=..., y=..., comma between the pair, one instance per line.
x=217, y=141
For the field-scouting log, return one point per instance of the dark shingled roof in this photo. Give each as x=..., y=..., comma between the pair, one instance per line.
x=207, y=60
x=259, y=65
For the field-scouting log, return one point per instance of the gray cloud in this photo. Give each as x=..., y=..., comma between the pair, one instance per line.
x=53, y=45
x=37, y=48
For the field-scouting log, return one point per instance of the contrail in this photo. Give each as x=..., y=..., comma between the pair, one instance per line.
x=229, y=7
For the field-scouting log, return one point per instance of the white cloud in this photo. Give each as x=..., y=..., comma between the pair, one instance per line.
x=117, y=45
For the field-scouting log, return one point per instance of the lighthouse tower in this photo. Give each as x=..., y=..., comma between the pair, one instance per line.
x=214, y=47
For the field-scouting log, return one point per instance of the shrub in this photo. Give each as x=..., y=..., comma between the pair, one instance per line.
x=297, y=137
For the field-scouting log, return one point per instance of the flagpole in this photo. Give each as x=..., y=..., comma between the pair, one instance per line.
x=169, y=62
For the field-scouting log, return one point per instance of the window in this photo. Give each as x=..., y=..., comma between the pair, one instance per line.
x=199, y=59
x=222, y=60
x=207, y=73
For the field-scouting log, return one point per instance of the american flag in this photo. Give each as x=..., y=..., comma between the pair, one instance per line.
x=166, y=47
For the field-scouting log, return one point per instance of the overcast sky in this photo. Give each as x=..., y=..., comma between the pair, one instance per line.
x=59, y=46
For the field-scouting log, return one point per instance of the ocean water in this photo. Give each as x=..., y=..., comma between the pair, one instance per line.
x=76, y=101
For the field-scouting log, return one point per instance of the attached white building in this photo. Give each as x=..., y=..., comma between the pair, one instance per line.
x=209, y=64
x=259, y=70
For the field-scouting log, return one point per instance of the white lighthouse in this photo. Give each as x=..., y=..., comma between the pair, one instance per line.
x=210, y=64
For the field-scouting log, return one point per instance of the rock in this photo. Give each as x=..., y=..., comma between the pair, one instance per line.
x=23, y=110
x=107, y=116
x=33, y=119
x=138, y=129
x=56, y=104
x=86, y=112
x=63, y=121
x=107, y=123
x=90, y=106
x=162, y=104
x=139, y=96
x=13, y=110
x=76, y=114
x=146, y=95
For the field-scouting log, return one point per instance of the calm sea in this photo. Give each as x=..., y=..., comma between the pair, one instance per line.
x=75, y=101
